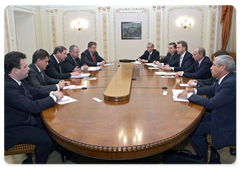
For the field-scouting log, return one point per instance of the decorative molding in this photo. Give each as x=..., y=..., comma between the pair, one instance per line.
x=158, y=31
x=53, y=30
x=212, y=7
x=104, y=9
x=52, y=11
x=7, y=30
x=105, y=35
x=213, y=10
x=79, y=10
x=158, y=8
x=119, y=10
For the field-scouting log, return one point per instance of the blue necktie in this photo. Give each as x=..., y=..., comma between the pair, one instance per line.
x=216, y=88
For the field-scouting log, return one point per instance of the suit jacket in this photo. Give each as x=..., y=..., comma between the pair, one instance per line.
x=154, y=56
x=70, y=64
x=53, y=70
x=186, y=63
x=87, y=58
x=20, y=106
x=206, y=82
x=199, y=72
x=171, y=59
x=223, y=110
x=35, y=79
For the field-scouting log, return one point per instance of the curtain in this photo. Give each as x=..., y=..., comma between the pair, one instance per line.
x=226, y=20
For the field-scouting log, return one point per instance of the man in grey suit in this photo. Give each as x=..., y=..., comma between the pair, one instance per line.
x=38, y=78
x=221, y=121
x=91, y=57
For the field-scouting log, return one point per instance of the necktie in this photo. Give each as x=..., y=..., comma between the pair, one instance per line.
x=216, y=88
x=181, y=59
x=149, y=56
x=60, y=69
x=171, y=57
x=93, y=58
x=25, y=92
x=42, y=77
x=75, y=61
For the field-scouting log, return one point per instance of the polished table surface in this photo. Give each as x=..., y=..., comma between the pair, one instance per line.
x=146, y=124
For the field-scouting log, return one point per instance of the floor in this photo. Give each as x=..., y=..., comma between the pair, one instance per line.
x=55, y=157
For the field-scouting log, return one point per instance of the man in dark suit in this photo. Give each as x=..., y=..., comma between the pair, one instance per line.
x=56, y=68
x=200, y=69
x=149, y=55
x=206, y=82
x=22, y=105
x=185, y=59
x=221, y=121
x=90, y=56
x=72, y=61
x=172, y=56
x=38, y=78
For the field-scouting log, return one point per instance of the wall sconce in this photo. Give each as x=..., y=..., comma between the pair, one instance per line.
x=78, y=26
x=185, y=24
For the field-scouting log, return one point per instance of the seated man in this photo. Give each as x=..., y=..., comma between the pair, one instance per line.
x=185, y=60
x=38, y=78
x=221, y=121
x=90, y=56
x=56, y=68
x=200, y=69
x=72, y=62
x=149, y=55
x=206, y=82
x=171, y=58
x=22, y=105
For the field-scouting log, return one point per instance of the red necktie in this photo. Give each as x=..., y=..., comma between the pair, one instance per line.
x=93, y=58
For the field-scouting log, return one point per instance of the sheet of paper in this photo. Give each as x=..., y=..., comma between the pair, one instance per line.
x=97, y=99
x=151, y=64
x=108, y=64
x=164, y=93
x=90, y=78
x=80, y=76
x=73, y=87
x=175, y=94
x=94, y=68
x=137, y=62
x=184, y=85
x=168, y=76
x=165, y=73
x=153, y=68
x=65, y=100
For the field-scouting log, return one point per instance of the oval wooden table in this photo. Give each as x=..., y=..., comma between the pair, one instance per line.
x=146, y=124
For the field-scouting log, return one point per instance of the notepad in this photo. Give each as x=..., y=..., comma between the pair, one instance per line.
x=94, y=68
x=66, y=100
x=184, y=85
x=175, y=94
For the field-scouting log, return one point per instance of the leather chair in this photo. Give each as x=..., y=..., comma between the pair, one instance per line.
x=210, y=145
x=22, y=149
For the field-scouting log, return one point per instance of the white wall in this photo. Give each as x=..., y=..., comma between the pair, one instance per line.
x=159, y=25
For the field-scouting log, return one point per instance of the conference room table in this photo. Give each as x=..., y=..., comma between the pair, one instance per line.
x=145, y=124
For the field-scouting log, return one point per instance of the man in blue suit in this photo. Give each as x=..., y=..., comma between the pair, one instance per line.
x=185, y=60
x=221, y=121
x=22, y=107
x=91, y=57
x=200, y=69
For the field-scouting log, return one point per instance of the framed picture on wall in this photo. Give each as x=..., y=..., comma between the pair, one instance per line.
x=131, y=30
